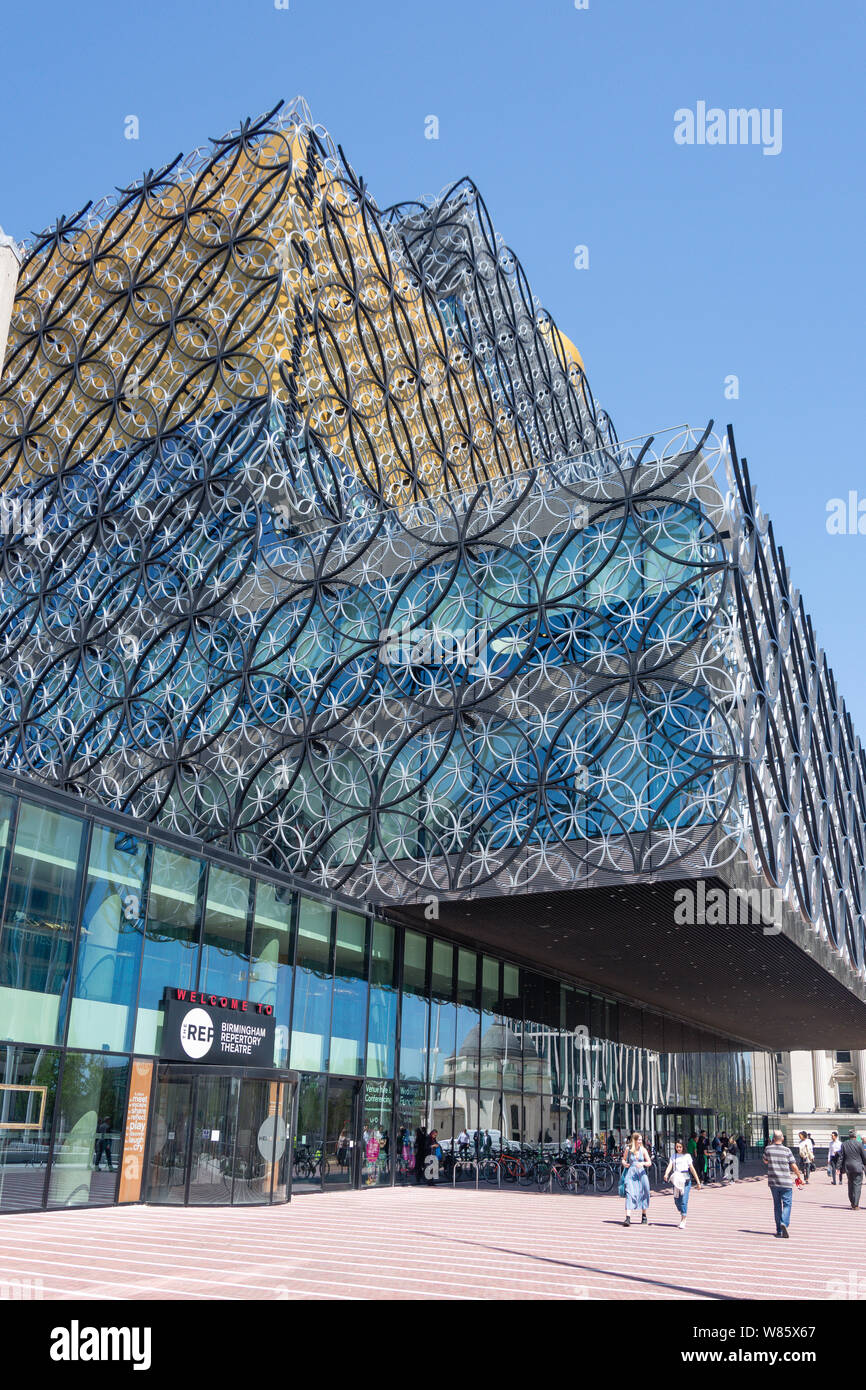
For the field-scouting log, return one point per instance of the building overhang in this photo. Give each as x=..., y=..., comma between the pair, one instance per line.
x=743, y=981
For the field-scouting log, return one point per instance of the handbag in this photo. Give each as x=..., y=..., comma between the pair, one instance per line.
x=679, y=1181
x=621, y=1188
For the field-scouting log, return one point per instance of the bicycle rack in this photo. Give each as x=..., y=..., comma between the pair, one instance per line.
x=465, y=1163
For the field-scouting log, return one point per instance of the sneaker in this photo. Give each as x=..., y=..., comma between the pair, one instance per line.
x=784, y=1233
x=682, y=1224
x=627, y=1221
x=644, y=1221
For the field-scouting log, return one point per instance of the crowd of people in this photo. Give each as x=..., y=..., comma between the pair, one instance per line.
x=687, y=1169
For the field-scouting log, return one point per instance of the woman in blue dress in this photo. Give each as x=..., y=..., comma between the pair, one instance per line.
x=636, y=1162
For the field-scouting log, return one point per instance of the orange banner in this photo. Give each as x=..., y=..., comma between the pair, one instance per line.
x=135, y=1134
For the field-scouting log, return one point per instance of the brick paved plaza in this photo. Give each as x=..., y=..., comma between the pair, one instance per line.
x=444, y=1244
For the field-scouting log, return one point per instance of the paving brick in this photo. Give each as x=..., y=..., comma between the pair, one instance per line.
x=443, y=1244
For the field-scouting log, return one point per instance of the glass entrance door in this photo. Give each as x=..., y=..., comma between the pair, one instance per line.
x=213, y=1141
x=169, y=1141
x=220, y=1139
x=342, y=1154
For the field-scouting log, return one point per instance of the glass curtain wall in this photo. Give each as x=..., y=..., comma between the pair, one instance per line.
x=395, y=1029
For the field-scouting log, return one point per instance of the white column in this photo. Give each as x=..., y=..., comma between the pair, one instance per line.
x=825, y=1096
x=9, y=267
x=802, y=1083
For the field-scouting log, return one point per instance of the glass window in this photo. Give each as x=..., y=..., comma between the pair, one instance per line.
x=271, y=963
x=7, y=811
x=225, y=960
x=511, y=1004
x=414, y=1009
x=27, y=1094
x=89, y=1133
x=309, y=1138
x=442, y=974
x=443, y=1034
x=170, y=954
x=467, y=972
x=376, y=1138
x=109, y=945
x=468, y=1043
x=490, y=989
x=411, y=1114
x=349, y=1020
x=39, y=926
x=383, y=1002
x=311, y=1015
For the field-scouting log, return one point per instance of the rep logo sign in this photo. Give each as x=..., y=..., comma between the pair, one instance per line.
x=201, y=1027
x=196, y=1033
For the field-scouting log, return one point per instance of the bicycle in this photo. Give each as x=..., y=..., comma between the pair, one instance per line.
x=307, y=1164
x=505, y=1167
x=561, y=1172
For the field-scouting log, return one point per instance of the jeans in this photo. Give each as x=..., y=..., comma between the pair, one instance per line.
x=782, y=1199
x=681, y=1200
x=855, y=1182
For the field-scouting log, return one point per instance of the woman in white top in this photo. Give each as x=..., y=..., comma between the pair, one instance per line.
x=807, y=1155
x=683, y=1173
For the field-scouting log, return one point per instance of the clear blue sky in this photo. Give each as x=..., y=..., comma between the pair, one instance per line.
x=705, y=261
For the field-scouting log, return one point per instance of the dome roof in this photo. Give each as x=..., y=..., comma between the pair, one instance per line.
x=500, y=1040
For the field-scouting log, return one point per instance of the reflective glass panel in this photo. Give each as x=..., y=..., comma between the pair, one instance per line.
x=271, y=967
x=378, y=1104
x=109, y=944
x=170, y=948
x=89, y=1132
x=311, y=1016
x=27, y=1095
x=39, y=925
x=225, y=961
x=381, y=1033
x=349, y=1017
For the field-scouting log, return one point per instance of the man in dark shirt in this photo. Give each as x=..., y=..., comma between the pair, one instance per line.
x=853, y=1158
x=103, y=1143
x=702, y=1155
x=420, y=1152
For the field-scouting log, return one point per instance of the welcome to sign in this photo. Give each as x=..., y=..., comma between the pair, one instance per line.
x=208, y=1028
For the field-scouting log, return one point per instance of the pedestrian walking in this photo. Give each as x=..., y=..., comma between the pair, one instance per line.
x=807, y=1155
x=781, y=1172
x=420, y=1152
x=834, y=1157
x=741, y=1146
x=634, y=1183
x=732, y=1161
x=853, y=1158
x=432, y=1159
x=702, y=1154
x=103, y=1144
x=682, y=1172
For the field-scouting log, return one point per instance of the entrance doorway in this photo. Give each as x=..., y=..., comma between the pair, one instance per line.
x=220, y=1137
x=342, y=1151
x=328, y=1134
